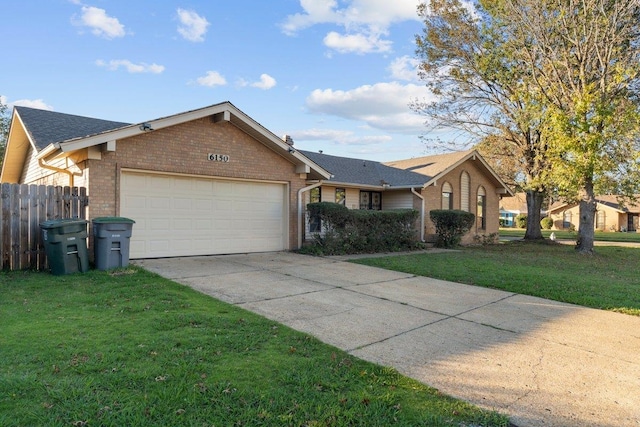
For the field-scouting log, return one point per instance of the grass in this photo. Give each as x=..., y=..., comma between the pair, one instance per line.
x=129, y=348
x=601, y=236
x=608, y=280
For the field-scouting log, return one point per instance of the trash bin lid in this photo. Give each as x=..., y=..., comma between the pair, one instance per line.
x=56, y=223
x=112, y=219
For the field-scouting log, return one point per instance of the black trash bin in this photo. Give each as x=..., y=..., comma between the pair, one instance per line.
x=111, y=237
x=65, y=242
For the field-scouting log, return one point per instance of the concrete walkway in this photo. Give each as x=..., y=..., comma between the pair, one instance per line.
x=540, y=362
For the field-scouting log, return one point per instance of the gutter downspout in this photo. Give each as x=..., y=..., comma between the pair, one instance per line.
x=55, y=169
x=300, y=206
x=422, y=206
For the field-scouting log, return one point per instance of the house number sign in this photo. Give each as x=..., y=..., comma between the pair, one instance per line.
x=219, y=157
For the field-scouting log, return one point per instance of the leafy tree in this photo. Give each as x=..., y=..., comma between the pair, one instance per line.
x=5, y=120
x=486, y=93
x=584, y=58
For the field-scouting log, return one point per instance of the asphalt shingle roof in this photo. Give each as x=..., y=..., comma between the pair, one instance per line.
x=48, y=127
x=365, y=172
x=430, y=165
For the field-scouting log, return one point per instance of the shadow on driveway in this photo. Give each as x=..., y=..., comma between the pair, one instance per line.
x=542, y=363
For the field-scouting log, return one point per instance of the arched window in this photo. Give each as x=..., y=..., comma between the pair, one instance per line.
x=601, y=220
x=464, y=191
x=481, y=212
x=566, y=220
x=447, y=196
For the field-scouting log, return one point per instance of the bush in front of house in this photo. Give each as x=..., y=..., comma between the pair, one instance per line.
x=346, y=231
x=521, y=221
x=451, y=225
x=546, y=223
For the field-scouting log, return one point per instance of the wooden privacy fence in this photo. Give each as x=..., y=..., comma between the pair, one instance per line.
x=22, y=209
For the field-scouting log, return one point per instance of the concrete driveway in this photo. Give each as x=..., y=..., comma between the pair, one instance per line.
x=540, y=362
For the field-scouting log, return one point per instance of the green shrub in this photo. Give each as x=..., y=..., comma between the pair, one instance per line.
x=546, y=223
x=451, y=225
x=346, y=231
x=521, y=221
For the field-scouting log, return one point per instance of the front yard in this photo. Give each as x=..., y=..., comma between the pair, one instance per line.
x=601, y=236
x=133, y=349
x=608, y=280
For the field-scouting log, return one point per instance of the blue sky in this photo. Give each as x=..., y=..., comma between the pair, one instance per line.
x=336, y=75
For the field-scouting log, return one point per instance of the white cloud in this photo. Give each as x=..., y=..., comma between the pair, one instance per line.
x=365, y=22
x=342, y=137
x=316, y=12
x=375, y=14
x=211, y=79
x=101, y=24
x=357, y=43
x=192, y=26
x=266, y=82
x=142, y=67
x=404, y=68
x=33, y=103
x=381, y=106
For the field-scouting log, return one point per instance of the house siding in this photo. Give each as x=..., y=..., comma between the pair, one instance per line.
x=402, y=199
x=184, y=149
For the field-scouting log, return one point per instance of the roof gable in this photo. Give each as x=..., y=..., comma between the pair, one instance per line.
x=437, y=166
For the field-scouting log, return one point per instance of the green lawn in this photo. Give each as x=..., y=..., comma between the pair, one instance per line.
x=572, y=235
x=133, y=349
x=608, y=280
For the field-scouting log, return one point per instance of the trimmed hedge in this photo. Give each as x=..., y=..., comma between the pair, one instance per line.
x=451, y=225
x=346, y=231
x=546, y=223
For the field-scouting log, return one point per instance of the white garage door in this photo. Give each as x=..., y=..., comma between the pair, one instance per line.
x=180, y=216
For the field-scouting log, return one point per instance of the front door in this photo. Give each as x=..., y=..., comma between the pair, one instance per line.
x=632, y=221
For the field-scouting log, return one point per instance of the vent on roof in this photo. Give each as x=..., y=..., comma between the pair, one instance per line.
x=288, y=139
x=412, y=168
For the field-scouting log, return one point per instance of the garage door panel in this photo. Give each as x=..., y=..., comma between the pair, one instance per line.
x=177, y=215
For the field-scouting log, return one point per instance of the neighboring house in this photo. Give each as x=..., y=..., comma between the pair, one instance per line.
x=461, y=180
x=511, y=207
x=610, y=215
x=214, y=181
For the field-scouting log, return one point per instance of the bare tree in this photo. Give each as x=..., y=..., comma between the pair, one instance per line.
x=484, y=91
x=4, y=129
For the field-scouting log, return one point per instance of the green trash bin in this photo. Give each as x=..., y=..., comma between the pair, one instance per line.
x=111, y=237
x=65, y=242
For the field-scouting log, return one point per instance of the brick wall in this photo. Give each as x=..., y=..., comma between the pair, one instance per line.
x=477, y=178
x=184, y=149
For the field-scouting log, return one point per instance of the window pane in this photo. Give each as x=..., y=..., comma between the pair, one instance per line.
x=364, y=200
x=481, y=212
x=314, y=195
x=447, y=201
x=376, y=201
x=340, y=196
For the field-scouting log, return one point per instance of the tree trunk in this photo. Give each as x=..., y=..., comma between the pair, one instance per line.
x=534, y=204
x=584, y=244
